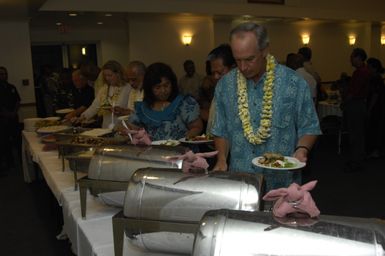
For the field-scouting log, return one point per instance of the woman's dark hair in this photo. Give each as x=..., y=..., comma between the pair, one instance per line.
x=360, y=53
x=223, y=52
x=154, y=73
x=376, y=64
x=305, y=52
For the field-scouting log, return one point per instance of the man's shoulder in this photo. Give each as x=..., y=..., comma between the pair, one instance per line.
x=289, y=78
x=228, y=80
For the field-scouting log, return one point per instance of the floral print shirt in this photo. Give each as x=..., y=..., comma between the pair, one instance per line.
x=293, y=116
x=171, y=123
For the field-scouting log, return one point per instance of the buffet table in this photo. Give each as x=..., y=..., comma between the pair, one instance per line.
x=89, y=236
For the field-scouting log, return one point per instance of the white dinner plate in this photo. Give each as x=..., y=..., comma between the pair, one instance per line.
x=166, y=142
x=183, y=140
x=53, y=129
x=64, y=110
x=123, y=118
x=295, y=161
x=96, y=132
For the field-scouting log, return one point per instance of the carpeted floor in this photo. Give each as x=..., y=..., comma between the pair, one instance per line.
x=30, y=217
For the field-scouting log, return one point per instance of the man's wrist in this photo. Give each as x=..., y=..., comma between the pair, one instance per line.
x=302, y=147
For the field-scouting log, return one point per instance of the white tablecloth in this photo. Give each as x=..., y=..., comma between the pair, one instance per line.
x=90, y=236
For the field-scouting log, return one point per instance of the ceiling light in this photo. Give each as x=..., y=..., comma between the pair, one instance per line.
x=72, y=14
x=99, y=23
x=108, y=14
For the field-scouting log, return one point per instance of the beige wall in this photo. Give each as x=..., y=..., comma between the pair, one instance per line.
x=329, y=42
x=160, y=40
x=15, y=52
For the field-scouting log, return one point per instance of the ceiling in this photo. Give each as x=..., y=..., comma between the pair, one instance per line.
x=43, y=13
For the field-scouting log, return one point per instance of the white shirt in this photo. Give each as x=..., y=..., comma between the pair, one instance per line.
x=310, y=81
x=121, y=101
x=135, y=95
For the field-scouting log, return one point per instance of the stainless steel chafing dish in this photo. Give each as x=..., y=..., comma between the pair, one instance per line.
x=111, y=168
x=228, y=233
x=75, y=143
x=79, y=162
x=162, y=208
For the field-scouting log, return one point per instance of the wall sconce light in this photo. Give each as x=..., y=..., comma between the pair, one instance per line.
x=84, y=51
x=305, y=39
x=383, y=40
x=352, y=39
x=186, y=39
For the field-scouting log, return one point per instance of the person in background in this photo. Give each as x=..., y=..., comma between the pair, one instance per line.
x=376, y=109
x=135, y=74
x=93, y=75
x=295, y=62
x=114, y=92
x=164, y=113
x=49, y=83
x=206, y=94
x=64, y=98
x=306, y=53
x=9, y=120
x=354, y=110
x=83, y=95
x=191, y=82
x=262, y=106
x=221, y=62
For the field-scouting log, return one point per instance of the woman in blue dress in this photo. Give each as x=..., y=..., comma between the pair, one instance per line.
x=164, y=113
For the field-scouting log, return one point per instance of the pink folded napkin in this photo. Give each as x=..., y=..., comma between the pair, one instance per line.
x=193, y=161
x=139, y=137
x=294, y=199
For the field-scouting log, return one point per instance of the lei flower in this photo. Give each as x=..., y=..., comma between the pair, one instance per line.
x=263, y=131
x=107, y=100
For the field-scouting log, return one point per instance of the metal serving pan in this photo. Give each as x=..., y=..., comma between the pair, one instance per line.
x=228, y=233
x=111, y=168
x=163, y=207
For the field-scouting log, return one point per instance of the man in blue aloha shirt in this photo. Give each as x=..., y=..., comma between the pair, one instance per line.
x=293, y=123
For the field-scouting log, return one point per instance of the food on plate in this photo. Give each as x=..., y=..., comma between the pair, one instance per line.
x=277, y=160
x=199, y=138
x=87, y=140
x=106, y=106
x=96, y=141
x=46, y=123
x=64, y=111
x=170, y=143
x=97, y=132
x=52, y=129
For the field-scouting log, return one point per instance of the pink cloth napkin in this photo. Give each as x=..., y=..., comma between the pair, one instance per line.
x=194, y=160
x=139, y=137
x=294, y=199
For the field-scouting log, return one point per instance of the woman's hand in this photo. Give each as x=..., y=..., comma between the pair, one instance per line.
x=119, y=111
x=77, y=120
x=195, y=128
x=70, y=115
